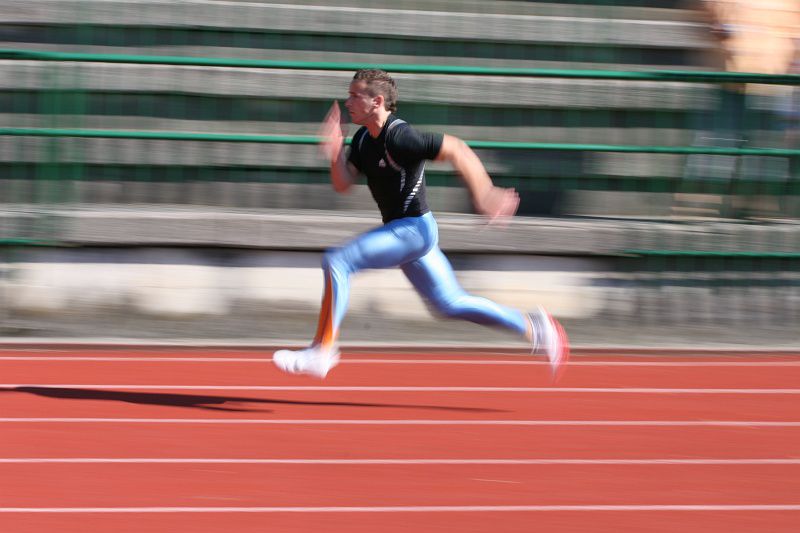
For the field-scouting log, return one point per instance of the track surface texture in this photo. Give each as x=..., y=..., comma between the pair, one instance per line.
x=218, y=440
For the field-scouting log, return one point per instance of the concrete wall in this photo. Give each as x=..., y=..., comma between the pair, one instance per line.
x=255, y=277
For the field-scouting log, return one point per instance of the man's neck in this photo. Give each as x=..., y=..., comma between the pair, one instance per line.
x=376, y=125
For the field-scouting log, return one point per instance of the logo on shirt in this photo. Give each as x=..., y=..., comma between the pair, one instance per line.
x=382, y=163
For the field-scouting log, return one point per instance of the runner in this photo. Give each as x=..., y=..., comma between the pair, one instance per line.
x=392, y=155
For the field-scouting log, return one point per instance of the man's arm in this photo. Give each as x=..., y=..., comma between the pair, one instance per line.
x=343, y=173
x=494, y=202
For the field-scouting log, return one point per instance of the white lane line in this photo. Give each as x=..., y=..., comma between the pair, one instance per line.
x=405, y=509
x=312, y=388
x=480, y=362
x=410, y=422
x=616, y=462
x=153, y=359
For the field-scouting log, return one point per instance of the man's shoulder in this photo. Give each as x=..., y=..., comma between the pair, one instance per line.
x=397, y=124
x=398, y=129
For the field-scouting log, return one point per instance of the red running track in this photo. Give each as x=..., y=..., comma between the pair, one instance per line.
x=217, y=440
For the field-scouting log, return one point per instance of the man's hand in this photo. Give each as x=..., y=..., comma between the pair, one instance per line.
x=497, y=203
x=331, y=133
x=331, y=144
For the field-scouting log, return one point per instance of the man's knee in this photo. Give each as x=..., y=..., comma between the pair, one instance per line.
x=329, y=258
x=448, y=307
x=334, y=260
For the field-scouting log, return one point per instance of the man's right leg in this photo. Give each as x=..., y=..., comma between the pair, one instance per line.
x=397, y=242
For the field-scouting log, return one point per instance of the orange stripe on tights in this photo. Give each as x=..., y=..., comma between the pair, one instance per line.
x=325, y=334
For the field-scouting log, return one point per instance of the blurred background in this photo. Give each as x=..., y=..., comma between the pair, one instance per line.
x=159, y=176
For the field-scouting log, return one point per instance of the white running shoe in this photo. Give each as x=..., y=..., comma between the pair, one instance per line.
x=314, y=361
x=550, y=339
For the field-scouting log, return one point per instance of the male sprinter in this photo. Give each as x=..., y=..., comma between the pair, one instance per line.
x=392, y=155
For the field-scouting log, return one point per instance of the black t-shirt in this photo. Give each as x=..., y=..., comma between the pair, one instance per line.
x=394, y=164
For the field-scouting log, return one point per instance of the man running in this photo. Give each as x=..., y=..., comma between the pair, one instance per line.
x=392, y=155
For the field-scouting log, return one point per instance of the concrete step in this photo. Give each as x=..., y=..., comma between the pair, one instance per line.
x=310, y=229
x=496, y=55
x=357, y=20
x=552, y=134
x=311, y=84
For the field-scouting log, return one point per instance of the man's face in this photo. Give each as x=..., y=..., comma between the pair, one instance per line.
x=360, y=104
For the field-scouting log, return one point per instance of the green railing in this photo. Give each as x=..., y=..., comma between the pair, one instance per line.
x=654, y=76
x=59, y=169
x=313, y=140
x=64, y=100
x=657, y=76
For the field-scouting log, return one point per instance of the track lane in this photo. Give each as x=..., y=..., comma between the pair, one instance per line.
x=386, y=441
x=80, y=401
x=396, y=373
x=464, y=522
x=301, y=485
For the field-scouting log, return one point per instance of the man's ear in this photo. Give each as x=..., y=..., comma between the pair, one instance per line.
x=380, y=100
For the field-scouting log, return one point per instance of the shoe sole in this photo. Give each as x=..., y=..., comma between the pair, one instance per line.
x=334, y=360
x=289, y=367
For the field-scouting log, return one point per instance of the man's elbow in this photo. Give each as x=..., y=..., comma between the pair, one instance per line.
x=453, y=149
x=342, y=182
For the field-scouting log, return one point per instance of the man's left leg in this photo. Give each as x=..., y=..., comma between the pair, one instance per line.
x=433, y=277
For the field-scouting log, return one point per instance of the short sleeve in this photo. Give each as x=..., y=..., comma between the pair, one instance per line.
x=409, y=146
x=354, y=154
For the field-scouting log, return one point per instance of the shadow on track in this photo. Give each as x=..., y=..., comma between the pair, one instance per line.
x=212, y=402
